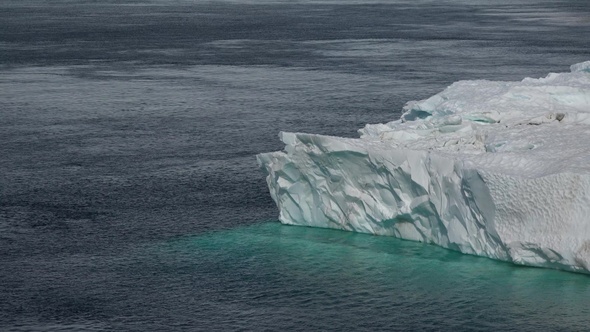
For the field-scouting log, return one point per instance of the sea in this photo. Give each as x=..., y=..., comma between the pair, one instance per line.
x=130, y=197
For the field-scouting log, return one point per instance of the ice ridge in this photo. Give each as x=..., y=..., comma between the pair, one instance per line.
x=495, y=169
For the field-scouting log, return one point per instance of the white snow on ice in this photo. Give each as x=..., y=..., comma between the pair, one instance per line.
x=495, y=169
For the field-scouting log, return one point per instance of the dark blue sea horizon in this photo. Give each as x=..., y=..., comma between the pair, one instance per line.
x=130, y=198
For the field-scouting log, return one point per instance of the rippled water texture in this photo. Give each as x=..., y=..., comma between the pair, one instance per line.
x=129, y=194
x=272, y=276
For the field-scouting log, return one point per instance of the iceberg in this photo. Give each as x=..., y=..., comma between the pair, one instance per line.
x=494, y=169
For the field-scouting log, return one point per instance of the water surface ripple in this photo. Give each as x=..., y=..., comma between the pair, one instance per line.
x=129, y=194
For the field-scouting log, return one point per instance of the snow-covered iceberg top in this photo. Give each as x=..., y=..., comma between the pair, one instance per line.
x=496, y=169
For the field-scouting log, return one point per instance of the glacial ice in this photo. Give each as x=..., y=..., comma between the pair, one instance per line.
x=495, y=169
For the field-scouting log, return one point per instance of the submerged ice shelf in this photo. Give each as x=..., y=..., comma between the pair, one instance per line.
x=495, y=169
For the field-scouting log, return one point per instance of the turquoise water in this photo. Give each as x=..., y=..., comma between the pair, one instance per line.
x=270, y=275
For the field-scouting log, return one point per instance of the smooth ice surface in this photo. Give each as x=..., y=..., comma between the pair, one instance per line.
x=496, y=169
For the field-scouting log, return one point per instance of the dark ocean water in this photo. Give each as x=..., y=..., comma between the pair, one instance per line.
x=129, y=194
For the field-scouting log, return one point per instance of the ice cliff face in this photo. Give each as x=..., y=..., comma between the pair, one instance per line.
x=496, y=169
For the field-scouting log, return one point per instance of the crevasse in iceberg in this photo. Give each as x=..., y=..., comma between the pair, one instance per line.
x=496, y=169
